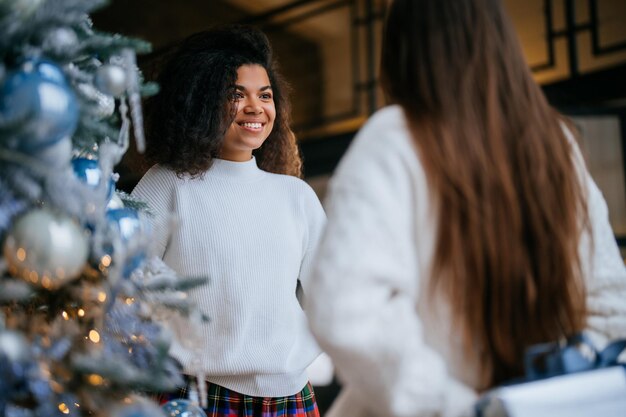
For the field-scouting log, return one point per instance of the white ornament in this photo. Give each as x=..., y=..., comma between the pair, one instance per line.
x=60, y=40
x=46, y=248
x=111, y=80
x=13, y=345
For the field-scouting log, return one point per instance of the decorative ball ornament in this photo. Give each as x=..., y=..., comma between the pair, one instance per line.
x=129, y=226
x=111, y=80
x=46, y=248
x=89, y=172
x=38, y=99
x=59, y=40
x=182, y=408
x=13, y=345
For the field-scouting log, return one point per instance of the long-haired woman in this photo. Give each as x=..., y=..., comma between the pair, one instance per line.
x=463, y=224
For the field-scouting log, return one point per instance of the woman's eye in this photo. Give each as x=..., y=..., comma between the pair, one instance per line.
x=266, y=96
x=236, y=96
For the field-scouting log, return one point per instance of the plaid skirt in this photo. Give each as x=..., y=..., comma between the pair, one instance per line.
x=223, y=402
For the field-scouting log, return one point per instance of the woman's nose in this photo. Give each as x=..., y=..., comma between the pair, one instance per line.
x=253, y=107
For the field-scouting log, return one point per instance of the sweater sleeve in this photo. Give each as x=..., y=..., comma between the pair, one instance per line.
x=606, y=281
x=156, y=189
x=605, y=273
x=362, y=305
x=316, y=220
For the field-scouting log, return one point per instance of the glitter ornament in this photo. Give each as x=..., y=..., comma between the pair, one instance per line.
x=37, y=98
x=182, y=408
x=46, y=248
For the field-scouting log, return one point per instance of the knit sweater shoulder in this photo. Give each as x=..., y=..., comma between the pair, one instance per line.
x=395, y=347
x=252, y=233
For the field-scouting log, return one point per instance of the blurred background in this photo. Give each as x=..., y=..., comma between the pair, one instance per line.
x=329, y=52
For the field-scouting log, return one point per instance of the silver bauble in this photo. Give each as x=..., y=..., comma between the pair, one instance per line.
x=60, y=40
x=111, y=80
x=13, y=345
x=46, y=248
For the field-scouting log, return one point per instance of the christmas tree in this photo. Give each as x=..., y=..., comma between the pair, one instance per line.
x=79, y=291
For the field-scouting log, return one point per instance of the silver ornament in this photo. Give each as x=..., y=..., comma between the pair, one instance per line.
x=46, y=248
x=103, y=105
x=13, y=345
x=60, y=40
x=111, y=80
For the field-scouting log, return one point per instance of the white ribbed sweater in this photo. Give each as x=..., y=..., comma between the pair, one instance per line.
x=252, y=233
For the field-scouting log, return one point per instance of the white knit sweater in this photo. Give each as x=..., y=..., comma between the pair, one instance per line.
x=252, y=233
x=398, y=352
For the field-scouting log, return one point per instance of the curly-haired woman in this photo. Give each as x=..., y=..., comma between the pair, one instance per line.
x=226, y=165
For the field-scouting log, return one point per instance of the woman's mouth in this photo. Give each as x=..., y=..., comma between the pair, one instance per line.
x=251, y=125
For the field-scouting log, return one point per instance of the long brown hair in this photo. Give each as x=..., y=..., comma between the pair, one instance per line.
x=500, y=168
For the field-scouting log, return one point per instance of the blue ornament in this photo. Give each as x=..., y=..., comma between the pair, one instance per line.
x=37, y=99
x=182, y=408
x=129, y=225
x=89, y=172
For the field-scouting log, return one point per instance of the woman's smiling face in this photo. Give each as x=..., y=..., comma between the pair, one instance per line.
x=255, y=114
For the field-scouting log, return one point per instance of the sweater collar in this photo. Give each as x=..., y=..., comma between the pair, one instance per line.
x=239, y=171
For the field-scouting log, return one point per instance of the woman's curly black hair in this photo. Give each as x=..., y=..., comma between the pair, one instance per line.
x=187, y=120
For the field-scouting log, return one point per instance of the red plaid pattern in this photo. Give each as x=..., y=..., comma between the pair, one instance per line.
x=223, y=402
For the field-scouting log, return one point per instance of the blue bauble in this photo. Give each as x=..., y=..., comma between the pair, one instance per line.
x=182, y=408
x=37, y=98
x=89, y=172
x=129, y=225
